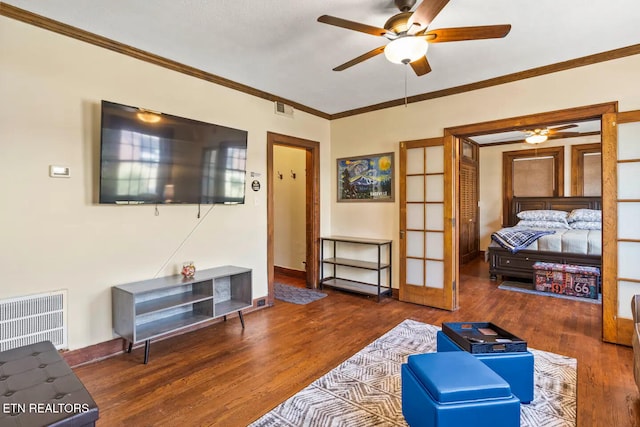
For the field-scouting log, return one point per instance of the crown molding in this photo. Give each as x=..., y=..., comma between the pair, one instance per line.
x=96, y=40
x=508, y=78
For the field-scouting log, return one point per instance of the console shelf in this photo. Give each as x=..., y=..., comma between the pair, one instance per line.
x=162, y=326
x=168, y=302
x=350, y=284
x=151, y=308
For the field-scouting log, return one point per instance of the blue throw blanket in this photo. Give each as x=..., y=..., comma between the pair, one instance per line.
x=515, y=239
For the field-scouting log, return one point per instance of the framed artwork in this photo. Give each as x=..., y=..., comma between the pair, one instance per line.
x=366, y=178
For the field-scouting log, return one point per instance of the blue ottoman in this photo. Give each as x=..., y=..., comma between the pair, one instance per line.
x=455, y=389
x=515, y=367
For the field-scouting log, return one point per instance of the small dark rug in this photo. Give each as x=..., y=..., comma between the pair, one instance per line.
x=296, y=295
x=528, y=288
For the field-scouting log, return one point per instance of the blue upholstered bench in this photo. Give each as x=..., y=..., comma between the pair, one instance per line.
x=515, y=367
x=454, y=389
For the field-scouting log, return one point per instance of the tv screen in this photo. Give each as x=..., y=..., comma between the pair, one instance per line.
x=150, y=157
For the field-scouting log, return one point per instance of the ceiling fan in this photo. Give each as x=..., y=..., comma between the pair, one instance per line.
x=409, y=34
x=539, y=135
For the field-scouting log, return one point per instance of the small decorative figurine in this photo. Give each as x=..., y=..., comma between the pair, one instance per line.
x=188, y=270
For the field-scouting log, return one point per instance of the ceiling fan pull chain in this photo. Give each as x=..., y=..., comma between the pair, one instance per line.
x=405, y=85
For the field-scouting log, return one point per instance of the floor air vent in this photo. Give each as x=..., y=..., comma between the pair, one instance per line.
x=34, y=318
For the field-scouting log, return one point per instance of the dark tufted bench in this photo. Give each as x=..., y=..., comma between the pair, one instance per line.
x=38, y=388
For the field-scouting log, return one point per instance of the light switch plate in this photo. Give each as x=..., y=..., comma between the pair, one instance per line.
x=59, y=171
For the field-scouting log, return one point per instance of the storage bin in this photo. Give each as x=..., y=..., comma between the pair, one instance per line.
x=567, y=279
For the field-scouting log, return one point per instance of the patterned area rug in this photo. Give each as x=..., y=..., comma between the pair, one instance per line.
x=365, y=389
x=296, y=295
x=528, y=288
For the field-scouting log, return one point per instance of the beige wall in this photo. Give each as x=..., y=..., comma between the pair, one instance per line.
x=289, y=239
x=54, y=235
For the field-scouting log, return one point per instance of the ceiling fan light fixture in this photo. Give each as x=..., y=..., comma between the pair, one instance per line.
x=406, y=49
x=535, y=138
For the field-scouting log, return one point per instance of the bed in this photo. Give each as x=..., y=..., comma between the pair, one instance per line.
x=564, y=247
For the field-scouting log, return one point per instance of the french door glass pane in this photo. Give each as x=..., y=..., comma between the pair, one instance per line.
x=415, y=189
x=434, y=245
x=435, y=188
x=435, y=216
x=435, y=159
x=629, y=141
x=628, y=255
x=435, y=274
x=626, y=290
x=628, y=173
x=415, y=272
x=415, y=160
x=628, y=215
x=415, y=244
x=415, y=216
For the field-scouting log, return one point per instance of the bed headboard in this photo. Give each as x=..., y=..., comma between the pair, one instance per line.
x=519, y=204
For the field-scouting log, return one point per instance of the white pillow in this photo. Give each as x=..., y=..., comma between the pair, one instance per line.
x=543, y=215
x=586, y=225
x=542, y=225
x=590, y=215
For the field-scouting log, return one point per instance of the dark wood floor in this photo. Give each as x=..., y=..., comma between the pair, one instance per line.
x=224, y=376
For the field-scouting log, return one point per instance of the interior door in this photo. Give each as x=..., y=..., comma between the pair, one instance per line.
x=428, y=233
x=620, y=213
x=469, y=230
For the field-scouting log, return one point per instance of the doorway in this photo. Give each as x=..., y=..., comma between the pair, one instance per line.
x=289, y=228
x=593, y=112
x=312, y=206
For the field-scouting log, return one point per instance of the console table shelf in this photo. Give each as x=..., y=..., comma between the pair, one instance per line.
x=367, y=265
x=151, y=308
x=349, y=284
x=168, y=302
x=148, y=331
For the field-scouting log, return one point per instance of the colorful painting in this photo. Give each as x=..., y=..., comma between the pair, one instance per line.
x=366, y=178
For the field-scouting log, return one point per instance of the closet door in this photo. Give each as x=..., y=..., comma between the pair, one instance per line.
x=469, y=230
x=428, y=249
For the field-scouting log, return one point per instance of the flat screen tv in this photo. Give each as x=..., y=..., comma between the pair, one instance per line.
x=150, y=157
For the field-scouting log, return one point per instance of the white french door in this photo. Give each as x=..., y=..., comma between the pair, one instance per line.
x=428, y=235
x=621, y=232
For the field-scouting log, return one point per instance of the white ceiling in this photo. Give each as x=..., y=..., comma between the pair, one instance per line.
x=278, y=47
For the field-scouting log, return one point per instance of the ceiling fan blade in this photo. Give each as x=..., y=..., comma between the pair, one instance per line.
x=554, y=130
x=564, y=134
x=359, y=59
x=469, y=33
x=351, y=25
x=421, y=66
x=425, y=13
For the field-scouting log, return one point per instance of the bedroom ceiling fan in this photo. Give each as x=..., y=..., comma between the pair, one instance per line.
x=537, y=136
x=409, y=34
